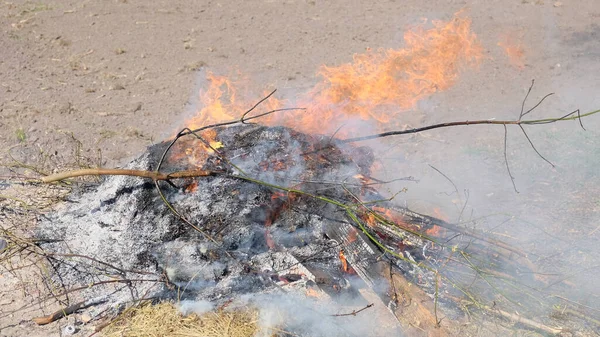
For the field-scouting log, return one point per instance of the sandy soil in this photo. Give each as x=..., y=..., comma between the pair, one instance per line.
x=121, y=72
x=120, y=75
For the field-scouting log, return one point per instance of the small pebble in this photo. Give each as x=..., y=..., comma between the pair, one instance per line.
x=69, y=330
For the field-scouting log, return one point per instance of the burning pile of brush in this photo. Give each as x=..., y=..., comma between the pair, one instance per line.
x=280, y=208
x=256, y=211
x=273, y=209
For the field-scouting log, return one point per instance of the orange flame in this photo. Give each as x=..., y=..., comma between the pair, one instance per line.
x=353, y=235
x=392, y=216
x=192, y=188
x=439, y=214
x=434, y=231
x=399, y=220
x=219, y=103
x=312, y=293
x=193, y=152
x=396, y=78
x=374, y=87
x=344, y=261
x=437, y=230
x=513, y=48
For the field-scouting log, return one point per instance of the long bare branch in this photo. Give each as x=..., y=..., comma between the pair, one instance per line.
x=467, y=123
x=125, y=172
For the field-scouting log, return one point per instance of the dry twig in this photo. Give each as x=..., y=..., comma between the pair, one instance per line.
x=525, y=321
x=155, y=176
x=67, y=311
x=354, y=312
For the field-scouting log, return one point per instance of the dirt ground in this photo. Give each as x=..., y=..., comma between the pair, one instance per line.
x=121, y=72
x=121, y=75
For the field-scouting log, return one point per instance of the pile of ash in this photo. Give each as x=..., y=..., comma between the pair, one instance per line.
x=119, y=241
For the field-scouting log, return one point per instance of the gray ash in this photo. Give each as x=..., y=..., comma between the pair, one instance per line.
x=253, y=238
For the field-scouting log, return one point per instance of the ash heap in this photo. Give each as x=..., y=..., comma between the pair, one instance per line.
x=281, y=211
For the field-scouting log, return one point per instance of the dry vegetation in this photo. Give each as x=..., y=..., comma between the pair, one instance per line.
x=165, y=319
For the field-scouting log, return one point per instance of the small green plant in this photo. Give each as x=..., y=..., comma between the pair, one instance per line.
x=35, y=7
x=21, y=137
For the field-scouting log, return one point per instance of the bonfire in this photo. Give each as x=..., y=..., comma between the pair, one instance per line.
x=275, y=214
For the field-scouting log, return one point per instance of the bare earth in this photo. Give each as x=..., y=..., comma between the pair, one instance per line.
x=121, y=75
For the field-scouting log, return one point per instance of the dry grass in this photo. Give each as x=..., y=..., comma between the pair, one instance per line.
x=164, y=319
x=26, y=278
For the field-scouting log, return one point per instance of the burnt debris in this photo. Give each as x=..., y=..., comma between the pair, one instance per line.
x=284, y=211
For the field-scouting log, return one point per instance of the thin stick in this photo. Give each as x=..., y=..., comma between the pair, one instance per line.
x=525, y=99
x=462, y=211
x=525, y=321
x=354, y=312
x=180, y=216
x=255, y=105
x=538, y=104
x=429, y=127
x=67, y=311
x=467, y=123
x=580, y=122
x=512, y=179
x=534, y=149
x=72, y=290
x=445, y=176
x=576, y=303
x=125, y=172
x=563, y=118
x=121, y=271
